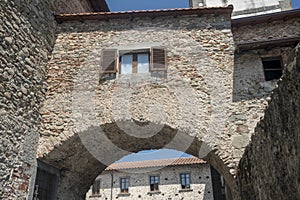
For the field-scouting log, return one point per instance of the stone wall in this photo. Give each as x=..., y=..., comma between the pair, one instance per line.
x=74, y=6
x=169, y=184
x=195, y=102
x=26, y=37
x=275, y=29
x=269, y=168
x=249, y=79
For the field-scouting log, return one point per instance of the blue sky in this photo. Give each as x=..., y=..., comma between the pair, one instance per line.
x=296, y=3
x=153, y=155
x=123, y=5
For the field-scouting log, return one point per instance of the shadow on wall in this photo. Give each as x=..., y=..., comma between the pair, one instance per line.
x=271, y=162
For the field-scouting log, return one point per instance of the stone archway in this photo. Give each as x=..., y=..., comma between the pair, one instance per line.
x=85, y=155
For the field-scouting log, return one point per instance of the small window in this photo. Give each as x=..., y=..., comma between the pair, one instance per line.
x=272, y=68
x=124, y=185
x=133, y=63
x=96, y=187
x=154, y=181
x=185, y=181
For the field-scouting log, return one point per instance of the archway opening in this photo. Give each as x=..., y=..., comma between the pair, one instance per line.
x=82, y=157
x=162, y=173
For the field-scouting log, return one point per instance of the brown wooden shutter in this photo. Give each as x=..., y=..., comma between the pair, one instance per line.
x=109, y=61
x=158, y=59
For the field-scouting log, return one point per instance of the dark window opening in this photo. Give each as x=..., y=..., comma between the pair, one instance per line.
x=154, y=181
x=185, y=181
x=218, y=185
x=272, y=68
x=124, y=185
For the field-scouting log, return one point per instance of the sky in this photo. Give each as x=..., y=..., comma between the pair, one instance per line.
x=153, y=155
x=296, y=3
x=124, y=5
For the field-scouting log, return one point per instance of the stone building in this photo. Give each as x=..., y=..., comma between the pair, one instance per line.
x=208, y=91
x=181, y=178
x=247, y=8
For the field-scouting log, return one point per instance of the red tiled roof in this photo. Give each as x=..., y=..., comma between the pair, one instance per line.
x=155, y=163
x=144, y=13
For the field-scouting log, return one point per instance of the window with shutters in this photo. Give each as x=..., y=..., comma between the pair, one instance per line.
x=272, y=68
x=154, y=182
x=124, y=185
x=133, y=62
x=96, y=187
x=185, y=181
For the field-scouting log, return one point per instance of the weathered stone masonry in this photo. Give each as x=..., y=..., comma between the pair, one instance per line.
x=256, y=39
x=200, y=54
x=269, y=168
x=26, y=36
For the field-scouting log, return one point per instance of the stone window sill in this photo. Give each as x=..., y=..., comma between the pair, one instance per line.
x=186, y=190
x=123, y=194
x=154, y=192
x=95, y=195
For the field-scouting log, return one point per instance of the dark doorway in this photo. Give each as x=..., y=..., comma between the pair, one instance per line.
x=218, y=184
x=46, y=182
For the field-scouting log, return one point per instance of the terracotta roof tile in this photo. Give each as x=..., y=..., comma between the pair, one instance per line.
x=155, y=163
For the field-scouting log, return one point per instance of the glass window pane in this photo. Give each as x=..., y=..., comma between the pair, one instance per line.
x=127, y=183
x=187, y=181
x=126, y=66
x=142, y=63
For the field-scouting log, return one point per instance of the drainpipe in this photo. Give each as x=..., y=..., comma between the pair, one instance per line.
x=112, y=184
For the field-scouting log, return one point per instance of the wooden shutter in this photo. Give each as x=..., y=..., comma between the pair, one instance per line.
x=158, y=59
x=109, y=61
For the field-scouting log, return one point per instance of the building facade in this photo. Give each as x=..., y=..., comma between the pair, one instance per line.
x=182, y=51
x=181, y=178
x=229, y=67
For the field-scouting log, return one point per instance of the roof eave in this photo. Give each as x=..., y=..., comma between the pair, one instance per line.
x=265, y=18
x=143, y=13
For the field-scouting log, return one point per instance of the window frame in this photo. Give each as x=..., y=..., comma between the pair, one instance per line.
x=272, y=58
x=127, y=178
x=134, y=54
x=154, y=190
x=185, y=178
